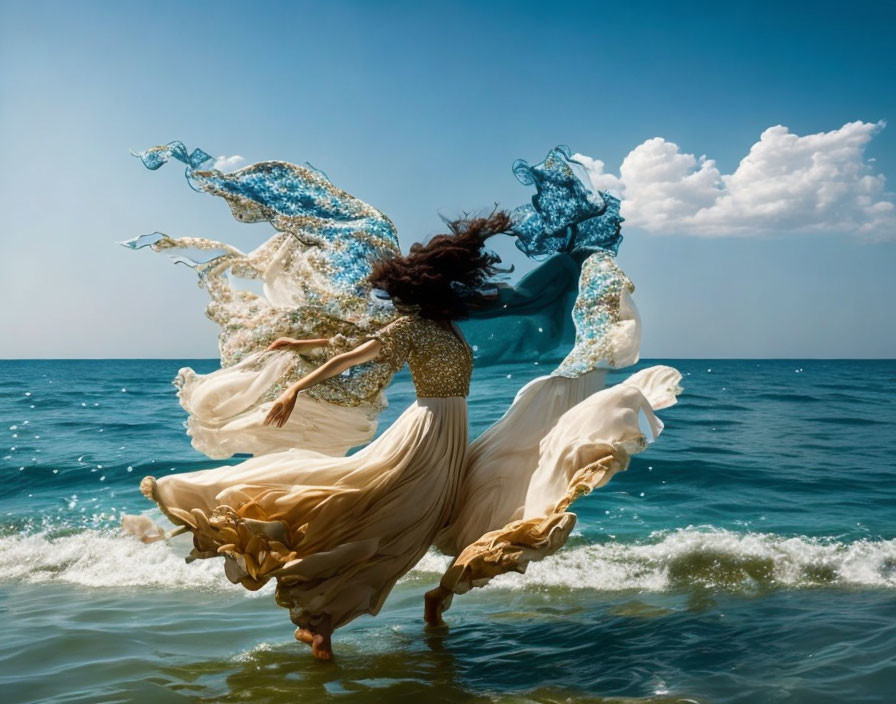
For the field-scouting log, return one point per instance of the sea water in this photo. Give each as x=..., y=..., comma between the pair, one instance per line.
x=749, y=555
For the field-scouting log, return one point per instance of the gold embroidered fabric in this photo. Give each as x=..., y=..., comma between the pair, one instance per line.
x=440, y=362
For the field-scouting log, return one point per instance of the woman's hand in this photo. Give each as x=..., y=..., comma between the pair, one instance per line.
x=282, y=408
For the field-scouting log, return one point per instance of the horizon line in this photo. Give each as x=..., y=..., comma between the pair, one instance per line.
x=642, y=359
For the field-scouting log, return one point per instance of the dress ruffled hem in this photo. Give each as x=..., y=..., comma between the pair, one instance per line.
x=513, y=547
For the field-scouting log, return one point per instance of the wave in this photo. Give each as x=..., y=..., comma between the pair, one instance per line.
x=719, y=560
x=688, y=558
x=782, y=396
x=104, y=558
x=840, y=420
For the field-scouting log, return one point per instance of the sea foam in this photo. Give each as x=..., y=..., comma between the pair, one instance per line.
x=694, y=557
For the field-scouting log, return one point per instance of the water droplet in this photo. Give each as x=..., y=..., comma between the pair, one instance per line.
x=130, y=469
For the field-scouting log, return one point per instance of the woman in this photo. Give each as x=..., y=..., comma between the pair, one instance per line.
x=337, y=532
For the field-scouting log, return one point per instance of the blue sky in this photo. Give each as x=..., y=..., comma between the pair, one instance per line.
x=419, y=109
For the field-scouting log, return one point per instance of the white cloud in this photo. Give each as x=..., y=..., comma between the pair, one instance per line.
x=228, y=163
x=787, y=183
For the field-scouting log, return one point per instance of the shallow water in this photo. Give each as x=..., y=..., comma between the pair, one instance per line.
x=748, y=556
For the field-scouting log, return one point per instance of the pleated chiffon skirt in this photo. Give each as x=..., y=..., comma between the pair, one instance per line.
x=335, y=532
x=560, y=439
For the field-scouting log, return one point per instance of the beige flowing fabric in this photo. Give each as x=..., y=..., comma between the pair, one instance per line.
x=227, y=409
x=335, y=532
x=522, y=514
x=501, y=461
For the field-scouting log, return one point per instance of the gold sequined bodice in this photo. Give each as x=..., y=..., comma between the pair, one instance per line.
x=440, y=362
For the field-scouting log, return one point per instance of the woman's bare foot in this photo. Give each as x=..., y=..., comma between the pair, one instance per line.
x=321, y=646
x=434, y=605
x=303, y=635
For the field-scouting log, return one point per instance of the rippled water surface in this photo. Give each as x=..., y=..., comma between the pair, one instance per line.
x=748, y=556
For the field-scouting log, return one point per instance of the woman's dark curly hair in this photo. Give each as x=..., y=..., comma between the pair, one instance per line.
x=447, y=276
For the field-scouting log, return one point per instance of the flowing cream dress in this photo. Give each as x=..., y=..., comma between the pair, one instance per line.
x=336, y=533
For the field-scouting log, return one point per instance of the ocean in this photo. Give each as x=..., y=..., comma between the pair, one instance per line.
x=749, y=555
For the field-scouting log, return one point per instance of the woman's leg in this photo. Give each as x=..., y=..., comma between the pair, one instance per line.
x=436, y=601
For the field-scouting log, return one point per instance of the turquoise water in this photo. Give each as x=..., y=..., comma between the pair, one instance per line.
x=748, y=556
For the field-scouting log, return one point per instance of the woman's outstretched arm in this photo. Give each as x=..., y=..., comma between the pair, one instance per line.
x=284, y=404
x=282, y=343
